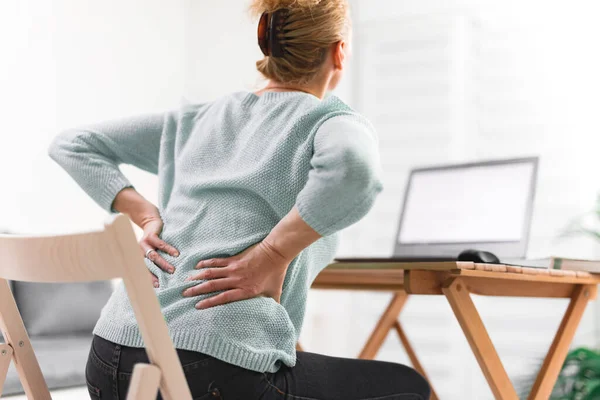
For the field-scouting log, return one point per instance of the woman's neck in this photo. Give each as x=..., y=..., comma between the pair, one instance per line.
x=317, y=90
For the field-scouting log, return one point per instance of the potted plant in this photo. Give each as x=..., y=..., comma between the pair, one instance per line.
x=588, y=224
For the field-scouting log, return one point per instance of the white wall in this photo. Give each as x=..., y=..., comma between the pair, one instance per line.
x=71, y=62
x=221, y=49
x=532, y=91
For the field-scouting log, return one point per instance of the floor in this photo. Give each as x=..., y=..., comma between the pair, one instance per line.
x=77, y=393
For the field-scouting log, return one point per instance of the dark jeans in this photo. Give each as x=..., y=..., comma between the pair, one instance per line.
x=315, y=377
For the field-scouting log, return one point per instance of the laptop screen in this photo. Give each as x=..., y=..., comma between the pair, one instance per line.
x=469, y=204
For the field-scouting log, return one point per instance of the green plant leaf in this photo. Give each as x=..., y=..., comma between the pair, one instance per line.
x=591, y=232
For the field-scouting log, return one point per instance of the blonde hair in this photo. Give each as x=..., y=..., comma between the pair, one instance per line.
x=309, y=30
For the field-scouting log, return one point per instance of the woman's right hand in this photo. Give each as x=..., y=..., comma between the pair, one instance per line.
x=152, y=227
x=145, y=215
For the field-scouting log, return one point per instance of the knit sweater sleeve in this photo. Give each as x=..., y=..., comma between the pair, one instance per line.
x=345, y=177
x=91, y=154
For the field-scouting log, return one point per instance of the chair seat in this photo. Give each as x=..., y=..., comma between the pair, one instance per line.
x=62, y=361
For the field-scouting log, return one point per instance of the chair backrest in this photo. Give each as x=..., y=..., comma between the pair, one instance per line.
x=111, y=253
x=69, y=258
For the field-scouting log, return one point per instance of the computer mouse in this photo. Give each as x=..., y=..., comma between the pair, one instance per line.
x=478, y=256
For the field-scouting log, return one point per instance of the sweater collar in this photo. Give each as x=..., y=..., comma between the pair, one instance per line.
x=268, y=97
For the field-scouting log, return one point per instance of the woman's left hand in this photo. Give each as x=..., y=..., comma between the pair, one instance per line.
x=257, y=271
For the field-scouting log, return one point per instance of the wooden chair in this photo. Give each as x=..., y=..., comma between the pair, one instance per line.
x=103, y=255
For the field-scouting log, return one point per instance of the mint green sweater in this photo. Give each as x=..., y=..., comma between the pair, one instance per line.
x=229, y=170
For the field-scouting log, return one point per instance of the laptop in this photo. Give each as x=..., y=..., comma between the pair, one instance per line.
x=448, y=209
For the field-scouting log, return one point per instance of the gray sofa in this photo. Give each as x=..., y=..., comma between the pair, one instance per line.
x=59, y=318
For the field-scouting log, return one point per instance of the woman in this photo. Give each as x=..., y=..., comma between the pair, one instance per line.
x=253, y=189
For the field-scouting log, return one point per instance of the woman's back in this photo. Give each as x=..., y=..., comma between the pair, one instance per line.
x=229, y=171
x=241, y=166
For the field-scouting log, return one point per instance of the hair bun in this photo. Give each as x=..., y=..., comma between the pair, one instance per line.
x=295, y=35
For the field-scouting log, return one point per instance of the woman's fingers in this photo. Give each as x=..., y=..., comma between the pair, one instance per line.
x=209, y=273
x=156, y=258
x=161, y=262
x=209, y=287
x=213, y=262
x=222, y=298
x=160, y=244
x=154, y=279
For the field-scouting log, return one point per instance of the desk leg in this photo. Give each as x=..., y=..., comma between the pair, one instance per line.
x=413, y=357
x=386, y=322
x=460, y=300
x=542, y=388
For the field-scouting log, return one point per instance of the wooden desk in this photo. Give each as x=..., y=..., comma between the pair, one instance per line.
x=457, y=281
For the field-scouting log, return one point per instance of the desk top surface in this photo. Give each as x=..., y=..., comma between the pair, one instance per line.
x=499, y=271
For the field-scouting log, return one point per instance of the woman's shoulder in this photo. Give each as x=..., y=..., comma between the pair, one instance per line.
x=334, y=113
x=191, y=104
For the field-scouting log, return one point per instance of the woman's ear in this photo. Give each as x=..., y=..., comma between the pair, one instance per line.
x=339, y=54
